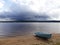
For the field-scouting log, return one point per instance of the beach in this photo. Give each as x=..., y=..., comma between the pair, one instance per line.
x=30, y=40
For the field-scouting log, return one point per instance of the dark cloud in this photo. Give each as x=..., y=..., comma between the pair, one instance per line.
x=21, y=12
x=25, y=16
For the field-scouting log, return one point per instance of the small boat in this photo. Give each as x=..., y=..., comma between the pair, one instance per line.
x=43, y=35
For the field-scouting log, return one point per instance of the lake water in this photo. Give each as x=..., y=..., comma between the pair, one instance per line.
x=10, y=29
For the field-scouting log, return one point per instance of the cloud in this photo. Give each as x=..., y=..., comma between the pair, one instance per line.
x=1, y=5
x=6, y=19
x=4, y=7
x=39, y=5
x=50, y=8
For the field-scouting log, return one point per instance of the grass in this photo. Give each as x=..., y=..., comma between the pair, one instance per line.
x=58, y=43
x=35, y=44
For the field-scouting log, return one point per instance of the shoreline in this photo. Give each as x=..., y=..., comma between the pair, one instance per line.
x=29, y=40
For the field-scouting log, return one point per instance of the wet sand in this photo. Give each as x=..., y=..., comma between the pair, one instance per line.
x=30, y=40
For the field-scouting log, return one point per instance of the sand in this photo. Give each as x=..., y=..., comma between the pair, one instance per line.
x=30, y=40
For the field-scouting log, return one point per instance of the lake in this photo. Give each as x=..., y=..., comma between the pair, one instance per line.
x=25, y=28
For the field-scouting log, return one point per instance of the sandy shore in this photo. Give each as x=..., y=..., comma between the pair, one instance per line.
x=30, y=40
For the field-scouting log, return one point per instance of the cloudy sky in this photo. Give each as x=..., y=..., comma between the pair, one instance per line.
x=29, y=9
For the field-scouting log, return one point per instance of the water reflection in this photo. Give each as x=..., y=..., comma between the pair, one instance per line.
x=10, y=29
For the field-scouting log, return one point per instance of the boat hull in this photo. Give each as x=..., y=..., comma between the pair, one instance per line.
x=43, y=35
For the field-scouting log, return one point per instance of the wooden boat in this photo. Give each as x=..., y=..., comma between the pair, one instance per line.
x=43, y=35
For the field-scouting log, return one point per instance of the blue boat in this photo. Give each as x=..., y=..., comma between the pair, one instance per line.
x=43, y=35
